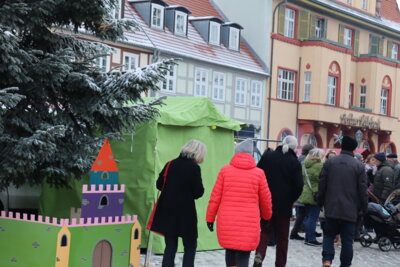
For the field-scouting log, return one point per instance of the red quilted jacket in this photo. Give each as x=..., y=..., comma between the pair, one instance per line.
x=240, y=194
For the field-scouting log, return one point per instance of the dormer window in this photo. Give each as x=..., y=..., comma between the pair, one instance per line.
x=157, y=16
x=180, y=23
x=234, y=36
x=214, y=33
x=116, y=10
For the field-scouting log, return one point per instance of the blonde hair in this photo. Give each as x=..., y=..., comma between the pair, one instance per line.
x=330, y=152
x=315, y=154
x=289, y=142
x=195, y=150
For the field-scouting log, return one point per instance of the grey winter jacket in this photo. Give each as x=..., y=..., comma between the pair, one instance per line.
x=384, y=180
x=342, y=189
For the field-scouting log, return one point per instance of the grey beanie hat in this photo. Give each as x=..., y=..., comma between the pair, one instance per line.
x=245, y=146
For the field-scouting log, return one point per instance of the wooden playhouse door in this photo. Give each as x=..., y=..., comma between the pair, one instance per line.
x=102, y=254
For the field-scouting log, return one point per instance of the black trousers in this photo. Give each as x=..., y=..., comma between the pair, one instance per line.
x=171, y=246
x=237, y=258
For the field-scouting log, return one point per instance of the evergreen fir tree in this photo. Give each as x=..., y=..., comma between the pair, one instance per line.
x=56, y=108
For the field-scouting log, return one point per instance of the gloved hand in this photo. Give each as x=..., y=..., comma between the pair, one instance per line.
x=210, y=226
x=264, y=223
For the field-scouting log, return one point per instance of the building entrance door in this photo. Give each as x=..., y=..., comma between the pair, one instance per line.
x=102, y=254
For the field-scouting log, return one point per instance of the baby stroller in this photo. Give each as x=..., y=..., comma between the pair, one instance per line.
x=385, y=219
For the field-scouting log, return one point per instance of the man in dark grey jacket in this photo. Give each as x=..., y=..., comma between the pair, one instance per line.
x=343, y=194
x=384, y=178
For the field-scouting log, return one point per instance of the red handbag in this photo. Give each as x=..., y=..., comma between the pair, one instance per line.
x=150, y=222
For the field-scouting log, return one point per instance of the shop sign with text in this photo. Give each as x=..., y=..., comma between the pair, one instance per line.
x=362, y=121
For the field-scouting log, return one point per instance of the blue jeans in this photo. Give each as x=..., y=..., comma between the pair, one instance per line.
x=310, y=221
x=346, y=230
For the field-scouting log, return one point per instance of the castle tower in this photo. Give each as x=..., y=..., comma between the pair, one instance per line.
x=104, y=198
x=63, y=247
x=134, y=259
x=104, y=170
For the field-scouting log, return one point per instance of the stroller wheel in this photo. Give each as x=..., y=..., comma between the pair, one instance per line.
x=384, y=243
x=366, y=240
x=396, y=244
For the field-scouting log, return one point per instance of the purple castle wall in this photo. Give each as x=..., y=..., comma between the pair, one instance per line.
x=92, y=207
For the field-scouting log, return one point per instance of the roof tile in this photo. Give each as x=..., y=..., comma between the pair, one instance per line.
x=390, y=10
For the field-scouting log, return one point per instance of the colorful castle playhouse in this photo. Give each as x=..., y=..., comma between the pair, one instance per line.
x=96, y=235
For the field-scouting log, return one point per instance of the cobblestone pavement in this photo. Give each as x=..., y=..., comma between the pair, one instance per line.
x=299, y=255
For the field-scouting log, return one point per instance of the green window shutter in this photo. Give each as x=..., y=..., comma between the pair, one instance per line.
x=281, y=20
x=325, y=28
x=304, y=25
x=389, y=49
x=381, y=41
x=356, y=43
x=313, y=20
x=341, y=34
x=373, y=44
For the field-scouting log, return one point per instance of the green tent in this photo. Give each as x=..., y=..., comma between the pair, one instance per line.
x=141, y=157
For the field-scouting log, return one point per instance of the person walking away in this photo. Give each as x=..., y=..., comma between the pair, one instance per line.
x=329, y=154
x=396, y=168
x=283, y=172
x=342, y=191
x=239, y=199
x=383, y=180
x=175, y=215
x=299, y=207
x=311, y=170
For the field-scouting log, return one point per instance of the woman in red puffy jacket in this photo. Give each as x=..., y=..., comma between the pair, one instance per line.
x=239, y=200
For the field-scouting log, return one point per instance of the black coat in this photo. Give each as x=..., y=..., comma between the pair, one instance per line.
x=342, y=189
x=176, y=210
x=284, y=178
x=384, y=180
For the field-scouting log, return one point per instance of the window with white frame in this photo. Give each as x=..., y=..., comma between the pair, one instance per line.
x=256, y=94
x=180, y=23
x=348, y=36
x=290, y=18
x=201, y=82
x=215, y=29
x=319, y=28
x=115, y=10
x=240, y=91
x=218, y=86
x=157, y=16
x=286, y=82
x=131, y=61
x=384, y=101
x=234, y=38
x=364, y=4
x=395, y=51
x=363, y=96
x=169, y=84
x=102, y=63
x=307, y=86
x=332, y=85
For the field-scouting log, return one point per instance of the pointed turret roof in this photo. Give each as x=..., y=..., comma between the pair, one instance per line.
x=105, y=159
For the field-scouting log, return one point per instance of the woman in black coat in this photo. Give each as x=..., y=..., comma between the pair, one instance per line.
x=175, y=215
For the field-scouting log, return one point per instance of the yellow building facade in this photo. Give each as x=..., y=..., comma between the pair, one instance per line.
x=335, y=70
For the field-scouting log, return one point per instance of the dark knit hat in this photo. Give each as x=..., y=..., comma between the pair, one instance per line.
x=349, y=143
x=392, y=156
x=380, y=156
